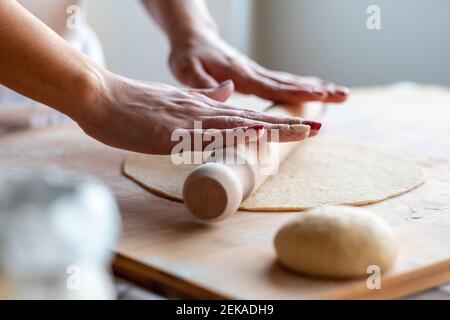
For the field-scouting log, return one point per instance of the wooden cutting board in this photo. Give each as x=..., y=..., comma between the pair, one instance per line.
x=161, y=245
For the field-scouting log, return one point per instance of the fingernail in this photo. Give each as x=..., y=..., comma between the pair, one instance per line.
x=313, y=124
x=300, y=128
x=257, y=127
x=342, y=91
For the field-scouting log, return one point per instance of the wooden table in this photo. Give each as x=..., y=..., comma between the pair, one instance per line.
x=161, y=245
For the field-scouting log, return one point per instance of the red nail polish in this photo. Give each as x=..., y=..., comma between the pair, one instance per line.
x=313, y=124
x=256, y=128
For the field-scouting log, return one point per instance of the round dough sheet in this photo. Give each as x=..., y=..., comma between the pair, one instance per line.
x=320, y=171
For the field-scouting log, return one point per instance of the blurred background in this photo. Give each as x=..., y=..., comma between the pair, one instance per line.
x=326, y=38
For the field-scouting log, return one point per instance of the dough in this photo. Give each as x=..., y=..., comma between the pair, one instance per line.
x=320, y=171
x=336, y=242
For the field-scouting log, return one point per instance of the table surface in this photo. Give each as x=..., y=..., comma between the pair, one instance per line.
x=442, y=292
x=127, y=290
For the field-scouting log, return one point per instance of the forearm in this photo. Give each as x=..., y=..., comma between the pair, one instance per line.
x=39, y=64
x=181, y=19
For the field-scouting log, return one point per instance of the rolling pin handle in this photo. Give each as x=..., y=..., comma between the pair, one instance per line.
x=213, y=192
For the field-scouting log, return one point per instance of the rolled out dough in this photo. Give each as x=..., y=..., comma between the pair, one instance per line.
x=321, y=171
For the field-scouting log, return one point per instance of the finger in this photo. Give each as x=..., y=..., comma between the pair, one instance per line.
x=269, y=118
x=229, y=122
x=236, y=136
x=198, y=77
x=290, y=79
x=335, y=94
x=272, y=90
x=331, y=87
x=220, y=93
x=314, y=127
x=202, y=140
x=287, y=78
x=248, y=81
x=283, y=132
x=287, y=132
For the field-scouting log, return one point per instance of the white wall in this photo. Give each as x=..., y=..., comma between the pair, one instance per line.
x=327, y=38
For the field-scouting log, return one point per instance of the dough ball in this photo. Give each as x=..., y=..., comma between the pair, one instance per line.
x=336, y=242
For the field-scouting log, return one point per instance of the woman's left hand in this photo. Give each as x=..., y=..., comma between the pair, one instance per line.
x=203, y=61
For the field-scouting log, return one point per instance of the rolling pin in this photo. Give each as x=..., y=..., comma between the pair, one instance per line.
x=215, y=190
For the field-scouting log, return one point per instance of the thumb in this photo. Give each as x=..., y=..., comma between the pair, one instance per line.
x=198, y=77
x=219, y=93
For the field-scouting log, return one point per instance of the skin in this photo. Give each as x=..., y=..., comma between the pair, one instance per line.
x=200, y=58
x=141, y=117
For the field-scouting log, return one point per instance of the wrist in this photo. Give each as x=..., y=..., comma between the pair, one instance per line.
x=90, y=89
x=192, y=38
x=193, y=35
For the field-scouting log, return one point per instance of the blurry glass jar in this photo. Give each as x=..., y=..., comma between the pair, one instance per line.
x=56, y=236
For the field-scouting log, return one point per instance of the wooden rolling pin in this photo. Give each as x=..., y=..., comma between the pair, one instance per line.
x=215, y=190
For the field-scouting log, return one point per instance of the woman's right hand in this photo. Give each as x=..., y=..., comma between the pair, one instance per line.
x=141, y=117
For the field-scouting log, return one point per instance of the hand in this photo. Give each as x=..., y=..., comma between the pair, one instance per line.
x=203, y=60
x=142, y=117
